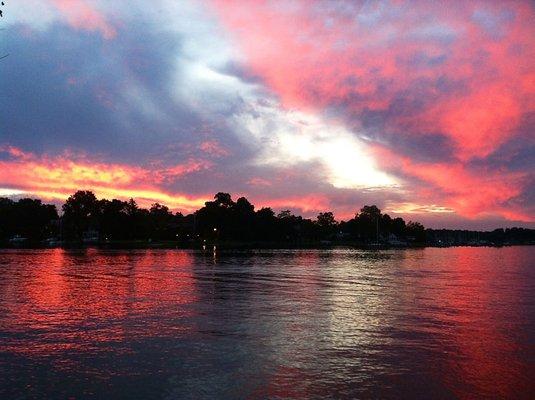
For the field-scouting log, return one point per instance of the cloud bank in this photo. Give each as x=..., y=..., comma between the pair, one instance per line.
x=424, y=110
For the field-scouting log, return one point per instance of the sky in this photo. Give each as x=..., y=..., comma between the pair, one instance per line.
x=426, y=109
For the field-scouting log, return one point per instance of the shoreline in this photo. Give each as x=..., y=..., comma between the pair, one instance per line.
x=231, y=246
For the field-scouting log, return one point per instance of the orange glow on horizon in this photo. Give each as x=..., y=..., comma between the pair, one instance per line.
x=58, y=178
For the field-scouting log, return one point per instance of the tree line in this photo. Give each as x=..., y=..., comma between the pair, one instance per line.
x=84, y=217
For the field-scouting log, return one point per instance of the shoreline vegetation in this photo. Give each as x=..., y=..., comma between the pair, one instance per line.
x=224, y=224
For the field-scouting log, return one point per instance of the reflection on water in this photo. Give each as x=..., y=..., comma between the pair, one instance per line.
x=433, y=323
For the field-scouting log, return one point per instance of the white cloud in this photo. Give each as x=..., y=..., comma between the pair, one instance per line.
x=290, y=137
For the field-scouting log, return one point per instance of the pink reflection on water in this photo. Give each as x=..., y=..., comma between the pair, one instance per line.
x=58, y=302
x=476, y=304
x=300, y=324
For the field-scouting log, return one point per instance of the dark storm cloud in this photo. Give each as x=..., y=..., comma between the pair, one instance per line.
x=65, y=89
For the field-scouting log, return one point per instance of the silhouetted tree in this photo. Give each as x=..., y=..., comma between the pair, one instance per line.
x=113, y=218
x=416, y=231
x=80, y=213
x=215, y=218
x=7, y=218
x=288, y=226
x=327, y=225
x=161, y=219
x=398, y=227
x=284, y=214
x=243, y=219
x=223, y=200
x=265, y=227
x=29, y=218
x=368, y=221
x=244, y=207
x=326, y=219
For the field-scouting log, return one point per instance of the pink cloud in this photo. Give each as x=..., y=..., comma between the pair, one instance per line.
x=259, y=182
x=466, y=72
x=80, y=14
x=471, y=192
x=179, y=170
x=214, y=148
x=313, y=55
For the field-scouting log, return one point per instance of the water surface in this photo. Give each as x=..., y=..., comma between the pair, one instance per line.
x=166, y=324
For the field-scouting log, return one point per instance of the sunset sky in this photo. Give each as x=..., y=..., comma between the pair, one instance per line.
x=426, y=109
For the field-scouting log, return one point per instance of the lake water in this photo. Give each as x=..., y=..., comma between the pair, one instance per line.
x=344, y=324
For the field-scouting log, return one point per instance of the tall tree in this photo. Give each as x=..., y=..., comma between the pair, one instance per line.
x=80, y=213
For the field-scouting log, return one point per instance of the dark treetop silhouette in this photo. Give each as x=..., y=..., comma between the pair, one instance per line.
x=87, y=219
